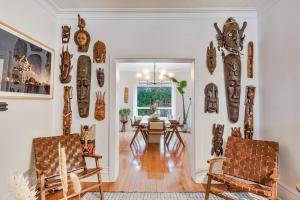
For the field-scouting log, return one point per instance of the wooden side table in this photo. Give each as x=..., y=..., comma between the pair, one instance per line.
x=123, y=129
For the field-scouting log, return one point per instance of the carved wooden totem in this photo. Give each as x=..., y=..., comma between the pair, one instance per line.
x=232, y=74
x=88, y=139
x=232, y=37
x=236, y=132
x=100, y=106
x=211, y=58
x=250, y=60
x=217, y=141
x=65, y=35
x=211, y=98
x=249, y=118
x=126, y=95
x=99, y=52
x=82, y=37
x=83, y=85
x=65, y=66
x=100, y=77
x=67, y=112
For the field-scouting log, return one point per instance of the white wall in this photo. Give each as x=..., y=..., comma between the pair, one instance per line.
x=158, y=35
x=25, y=119
x=279, y=76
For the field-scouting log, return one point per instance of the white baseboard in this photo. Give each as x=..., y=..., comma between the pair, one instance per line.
x=286, y=193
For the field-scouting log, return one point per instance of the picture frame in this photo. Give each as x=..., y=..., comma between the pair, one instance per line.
x=26, y=66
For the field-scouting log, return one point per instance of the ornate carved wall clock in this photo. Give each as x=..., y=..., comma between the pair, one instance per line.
x=67, y=112
x=236, y=132
x=83, y=85
x=211, y=58
x=82, y=37
x=250, y=60
x=217, y=141
x=232, y=74
x=99, y=52
x=126, y=94
x=88, y=139
x=65, y=35
x=211, y=98
x=100, y=77
x=100, y=106
x=65, y=66
x=249, y=118
x=232, y=37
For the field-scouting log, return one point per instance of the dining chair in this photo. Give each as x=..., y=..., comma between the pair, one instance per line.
x=156, y=127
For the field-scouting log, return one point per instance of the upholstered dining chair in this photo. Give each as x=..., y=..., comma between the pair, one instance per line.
x=156, y=127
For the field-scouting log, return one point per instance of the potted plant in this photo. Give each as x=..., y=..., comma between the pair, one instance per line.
x=124, y=114
x=181, y=86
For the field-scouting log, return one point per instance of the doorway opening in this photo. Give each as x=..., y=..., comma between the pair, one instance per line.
x=154, y=149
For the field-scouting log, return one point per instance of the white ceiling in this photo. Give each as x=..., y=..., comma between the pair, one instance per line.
x=140, y=67
x=119, y=4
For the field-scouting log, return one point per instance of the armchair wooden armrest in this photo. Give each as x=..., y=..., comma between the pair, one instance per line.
x=213, y=161
x=275, y=175
x=92, y=156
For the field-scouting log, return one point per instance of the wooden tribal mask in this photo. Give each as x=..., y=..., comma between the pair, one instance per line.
x=100, y=106
x=211, y=58
x=236, y=132
x=232, y=37
x=250, y=60
x=99, y=52
x=249, y=116
x=100, y=77
x=82, y=37
x=88, y=138
x=65, y=35
x=67, y=112
x=232, y=74
x=217, y=141
x=65, y=66
x=83, y=85
x=211, y=98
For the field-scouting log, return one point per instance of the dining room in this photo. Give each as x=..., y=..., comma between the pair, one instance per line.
x=155, y=124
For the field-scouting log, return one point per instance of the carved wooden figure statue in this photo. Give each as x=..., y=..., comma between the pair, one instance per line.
x=236, y=132
x=232, y=37
x=211, y=58
x=65, y=66
x=99, y=52
x=250, y=60
x=82, y=37
x=217, y=140
x=249, y=118
x=65, y=35
x=211, y=98
x=87, y=138
x=232, y=75
x=100, y=77
x=67, y=112
x=100, y=106
x=83, y=85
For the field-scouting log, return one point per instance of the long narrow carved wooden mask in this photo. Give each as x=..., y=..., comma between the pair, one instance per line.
x=100, y=77
x=100, y=106
x=65, y=66
x=83, y=85
x=232, y=74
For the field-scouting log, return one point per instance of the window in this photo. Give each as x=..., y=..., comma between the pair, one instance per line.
x=148, y=95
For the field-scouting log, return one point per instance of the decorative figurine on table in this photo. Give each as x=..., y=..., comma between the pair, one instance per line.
x=82, y=37
x=87, y=138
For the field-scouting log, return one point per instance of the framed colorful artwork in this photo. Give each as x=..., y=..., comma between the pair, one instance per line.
x=26, y=66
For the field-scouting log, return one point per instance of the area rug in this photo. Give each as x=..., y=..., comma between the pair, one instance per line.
x=164, y=196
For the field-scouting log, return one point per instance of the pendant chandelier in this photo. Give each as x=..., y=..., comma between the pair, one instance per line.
x=144, y=78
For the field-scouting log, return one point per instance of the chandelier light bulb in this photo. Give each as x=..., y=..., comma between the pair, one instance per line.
x=163, y=72
x=139, y=75
x=171, y=74
x=161, y=77
x=146, y=71
x=147, y=77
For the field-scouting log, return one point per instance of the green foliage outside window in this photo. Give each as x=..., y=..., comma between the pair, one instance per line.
x=146, y=96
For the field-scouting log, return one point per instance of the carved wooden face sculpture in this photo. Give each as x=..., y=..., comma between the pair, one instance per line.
x=82, y=38
x=66, y=32
x=250, y=94
x=100, y=106
x=83, y=85
x=249, y=117
x=65, y=67
x=236, y=132
x=211, y=98
x=250, y=60
x=217, y=148
x=211, y=59
x=99, y=52
x=232, y=37
x=87, y=138
x=100, y=77
x=232, y=74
